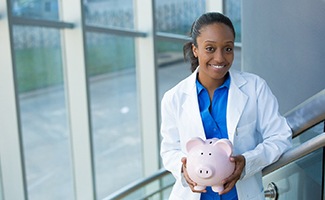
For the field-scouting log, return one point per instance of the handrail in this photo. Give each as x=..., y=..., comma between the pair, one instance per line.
x=136, y=185
x=302, y=117
x=307, y=114
x=296, y=153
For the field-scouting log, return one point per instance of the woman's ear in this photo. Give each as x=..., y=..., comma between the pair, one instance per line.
x=194, y=50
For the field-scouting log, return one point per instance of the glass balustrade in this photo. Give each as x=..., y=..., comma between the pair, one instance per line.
x=302, y=179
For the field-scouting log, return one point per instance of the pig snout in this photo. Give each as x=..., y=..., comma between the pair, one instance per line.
x=204, y=172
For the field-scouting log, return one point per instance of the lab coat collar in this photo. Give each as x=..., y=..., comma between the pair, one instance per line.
x=236, y=103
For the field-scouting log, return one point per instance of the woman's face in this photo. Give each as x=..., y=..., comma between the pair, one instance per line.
x=215, y=52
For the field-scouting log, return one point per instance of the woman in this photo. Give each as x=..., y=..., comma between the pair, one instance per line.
x=215, y=101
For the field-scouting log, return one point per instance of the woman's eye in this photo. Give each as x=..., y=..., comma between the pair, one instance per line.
x=228, y=49
x=209, y=49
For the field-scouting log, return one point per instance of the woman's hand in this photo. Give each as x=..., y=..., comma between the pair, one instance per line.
x=189, y=181
x=230, y=182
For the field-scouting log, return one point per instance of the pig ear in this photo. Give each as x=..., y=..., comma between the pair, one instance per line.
x=224, y=144
x=193, y=142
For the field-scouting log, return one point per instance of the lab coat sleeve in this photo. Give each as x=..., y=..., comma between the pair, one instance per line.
x=170, y=150
x=275, y=132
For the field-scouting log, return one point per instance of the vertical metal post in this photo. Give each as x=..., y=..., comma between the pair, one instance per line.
x=147, y=84
x=214, y=6
x=77, y=95
x=11, y=163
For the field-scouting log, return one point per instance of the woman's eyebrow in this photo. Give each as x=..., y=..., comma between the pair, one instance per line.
x=213, y=41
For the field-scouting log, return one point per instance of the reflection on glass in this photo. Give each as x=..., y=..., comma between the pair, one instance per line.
x=302, y=179
x=177, y=16
x=233, y=11
x=171, y=65
x=44, y=9
x=43, y=113
x=114, y=112
x=109, y=13
x=309, y=134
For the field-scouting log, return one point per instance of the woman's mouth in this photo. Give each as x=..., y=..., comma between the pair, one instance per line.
x=218, y=66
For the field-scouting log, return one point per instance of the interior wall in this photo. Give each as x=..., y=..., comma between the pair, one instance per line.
x=284, y=42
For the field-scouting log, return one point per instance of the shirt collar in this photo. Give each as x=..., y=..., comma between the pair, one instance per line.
x=200, y=87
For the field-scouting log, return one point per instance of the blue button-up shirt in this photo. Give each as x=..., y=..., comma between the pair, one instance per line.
x=213, y=115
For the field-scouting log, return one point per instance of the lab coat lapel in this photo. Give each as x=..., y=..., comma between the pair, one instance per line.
x=236, y=103
x=191, y=109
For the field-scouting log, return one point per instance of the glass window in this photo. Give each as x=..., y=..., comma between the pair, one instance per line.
x=114, y=111
x=109, y=13
x=171, y=65
x=305, y=174
x=177, y=16
x=43, y=113
x=42, y=9
x=174, y=17
x=233, y=11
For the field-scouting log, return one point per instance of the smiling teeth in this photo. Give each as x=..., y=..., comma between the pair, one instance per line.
x=218, y=66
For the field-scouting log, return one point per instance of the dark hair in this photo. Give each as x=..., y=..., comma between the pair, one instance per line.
x=203, y=20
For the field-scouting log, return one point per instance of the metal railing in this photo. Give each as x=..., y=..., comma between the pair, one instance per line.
x=300, y=119
x=296, y=153
x=307, y=114
x=304, y=116
x=125, y=191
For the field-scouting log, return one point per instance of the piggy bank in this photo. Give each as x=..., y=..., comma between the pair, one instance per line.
x=208, y=162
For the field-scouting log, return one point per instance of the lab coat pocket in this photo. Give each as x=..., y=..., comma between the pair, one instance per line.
x=246, y=137
x=246, y=128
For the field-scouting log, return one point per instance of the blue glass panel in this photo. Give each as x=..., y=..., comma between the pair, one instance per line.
x=109, y=13
x=116, y=131
x=233, y=11
x=44, y=9
x=43, y=113
x=177, y=16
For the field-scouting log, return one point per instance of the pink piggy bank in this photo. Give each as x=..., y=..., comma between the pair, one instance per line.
x=208, y=162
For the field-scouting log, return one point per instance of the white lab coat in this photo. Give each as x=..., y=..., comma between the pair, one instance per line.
x=254, y=125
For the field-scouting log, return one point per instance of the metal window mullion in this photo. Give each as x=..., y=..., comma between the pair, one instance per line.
x=77, y=98
x=40, y=22
x=147, y=84
x=171, y=37
x=114, y=31
x=11, y=163
x=214, y=6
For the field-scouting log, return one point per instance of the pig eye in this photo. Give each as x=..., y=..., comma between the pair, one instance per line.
x=202, y=153
x=210, y=142
x=210, y=154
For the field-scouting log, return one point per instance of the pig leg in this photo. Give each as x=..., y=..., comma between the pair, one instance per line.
x=199, y=187
x=217, y=188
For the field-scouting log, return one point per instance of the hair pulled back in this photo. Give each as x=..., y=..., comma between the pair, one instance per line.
x=203, y=20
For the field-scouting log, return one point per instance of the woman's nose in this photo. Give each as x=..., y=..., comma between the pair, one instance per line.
x=219, y=56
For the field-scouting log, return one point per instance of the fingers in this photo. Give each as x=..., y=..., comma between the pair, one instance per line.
x=184, y=170
x=189, y=181
x=228, y=187
x=184, y=162
x=230, y=182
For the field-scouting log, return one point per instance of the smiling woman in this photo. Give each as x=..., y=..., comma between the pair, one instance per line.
x=214, y=51
x=212, y=103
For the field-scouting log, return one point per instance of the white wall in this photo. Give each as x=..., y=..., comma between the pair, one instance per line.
x=284, y=42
